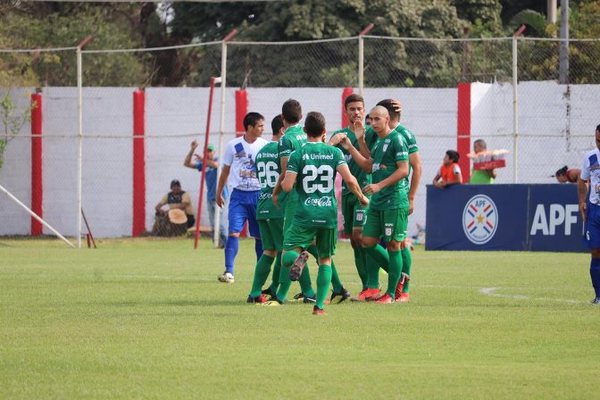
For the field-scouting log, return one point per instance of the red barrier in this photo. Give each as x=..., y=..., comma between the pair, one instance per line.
x=241, y=109
x=37, y=192
x=345, y=93
x=139, y=164
x=463, y=129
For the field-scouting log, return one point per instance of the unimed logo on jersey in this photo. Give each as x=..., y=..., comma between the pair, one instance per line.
x=480, y=219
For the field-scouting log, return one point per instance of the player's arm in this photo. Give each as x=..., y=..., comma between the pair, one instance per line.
x=401, y=172
x=366, y=164
x=582, y=192
x=436, y=180
x=187, y=162
x=289, y=181
x=352, y=184
x=186, y=201
x=221, y=184
x=414, y=160
x=283, y=162
x=160, y=204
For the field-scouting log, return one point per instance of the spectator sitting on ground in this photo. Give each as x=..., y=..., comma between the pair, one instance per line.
x=566, y=175
x=449, y=173
x=176, y=199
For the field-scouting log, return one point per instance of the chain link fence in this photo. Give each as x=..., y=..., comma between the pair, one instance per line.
x=544, y=124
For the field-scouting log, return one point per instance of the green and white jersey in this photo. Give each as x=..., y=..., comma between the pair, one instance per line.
x=385, y=154
x=293, y=138
x=411, y=142
x=361, y=176
x=268, y=169
x=316, y=165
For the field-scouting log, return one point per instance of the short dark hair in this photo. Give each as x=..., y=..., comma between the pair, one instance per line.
x=251, y=119
x=354, y=98
x=175, y=182
x=562, y=171
x=314, y=124
x=276, y=124
x=291, y=111
x=598, y=128
x=388, y=104
x=453, y=155
x=481, y=142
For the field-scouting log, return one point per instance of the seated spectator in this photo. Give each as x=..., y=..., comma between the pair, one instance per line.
x=566, y=175
x=481, y=176
x=175, y=199
x=449, y=173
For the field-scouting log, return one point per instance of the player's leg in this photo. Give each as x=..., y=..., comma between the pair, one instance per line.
x=250, y=203
x=326, y=241
x=353, y=227
x=593, y=234
x=296, y=238
x=307, y=292
x=263, y=266
x=236, y=223
x=376, y=254
x=402, y=291
x=395, y=223
x=276, y=230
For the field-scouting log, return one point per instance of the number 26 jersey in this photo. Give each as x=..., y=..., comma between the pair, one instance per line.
x=268, y=170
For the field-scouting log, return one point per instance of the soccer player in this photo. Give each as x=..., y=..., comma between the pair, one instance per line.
x=414, y=159
x=270, y=217
x=589, y=207
x=387, y=216
x=312, y=169
x=352, y=211
x=239, y=169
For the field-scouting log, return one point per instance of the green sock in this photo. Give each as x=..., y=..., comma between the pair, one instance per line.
x=378, y=258
x=336, y=283
x=406, y=267
x=276, y=271
x=323, y=281
x=360, y=260
x=394, y=272
x=261, y=273
x=284, y=275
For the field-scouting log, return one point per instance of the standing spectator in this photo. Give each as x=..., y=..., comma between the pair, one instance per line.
x=449, y=173
x=566, y=175
x=239, y=170
x=212, y=165
x=590, y=209
x=481, y=176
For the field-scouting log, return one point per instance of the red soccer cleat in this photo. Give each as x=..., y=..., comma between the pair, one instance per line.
x=367, y=295
x=385, y=299
x=405, y=278
x=318, y=311
x=404, y=298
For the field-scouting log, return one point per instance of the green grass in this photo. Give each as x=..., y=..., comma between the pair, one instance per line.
x=148, y=319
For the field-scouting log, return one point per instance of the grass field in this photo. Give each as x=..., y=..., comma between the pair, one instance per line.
x=148, y=319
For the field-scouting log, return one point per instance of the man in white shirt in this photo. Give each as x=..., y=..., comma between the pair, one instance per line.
x=239, y=171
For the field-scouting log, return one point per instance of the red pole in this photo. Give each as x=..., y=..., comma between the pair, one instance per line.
x=204, y=158
x=345, y=93
x=463, y=133
x=37, y=192
x=241, y=109
x=139, y=163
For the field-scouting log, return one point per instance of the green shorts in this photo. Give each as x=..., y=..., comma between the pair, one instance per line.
x=389, y=224
x=271, y=233
x=353, y=212
x=303, y=236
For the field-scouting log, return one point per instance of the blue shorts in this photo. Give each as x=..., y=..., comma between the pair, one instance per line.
x=242, y=208
x=592, y=226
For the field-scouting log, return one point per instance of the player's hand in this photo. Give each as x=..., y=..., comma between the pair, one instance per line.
x=397, y=106
x=220, y=200
x=359, y=128
x=194, y=145
x=411, y=206
x=364, y=201
x=275, y=198
x=336, y=139
x=583, y=211
x=372, y=188
x=345, y=143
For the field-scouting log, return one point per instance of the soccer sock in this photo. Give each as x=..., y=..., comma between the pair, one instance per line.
x=231, y=249
x=276, y=271
x=336, y=283
x=406, y=266
x=261, y=273
x=595, y=275
x=360, y=260
x=394, y=272
x=306, y=282
x=323, y=281
x=284, y=275
x=380, y=259
x=258, y=248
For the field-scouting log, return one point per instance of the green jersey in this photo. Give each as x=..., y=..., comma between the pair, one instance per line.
x=386, y=153
x=361, y=176
x=268, y=168
x=293, y=138
x=316, y=165
x=411, y=142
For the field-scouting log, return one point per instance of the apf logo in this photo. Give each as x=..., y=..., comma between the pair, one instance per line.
x=480, y=219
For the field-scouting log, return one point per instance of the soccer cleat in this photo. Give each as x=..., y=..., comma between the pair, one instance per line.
x=404, y=298
x=367, y=295
x=596, y=300
x=226, y=277
x=318, y=311
x=385, y=299
x=258, y=299
x=298, y=297
x=343, y=295
x=298, y=266
x=405, y=278
x=309, y=299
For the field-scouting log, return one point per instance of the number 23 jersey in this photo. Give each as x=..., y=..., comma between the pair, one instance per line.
x=316, y=165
